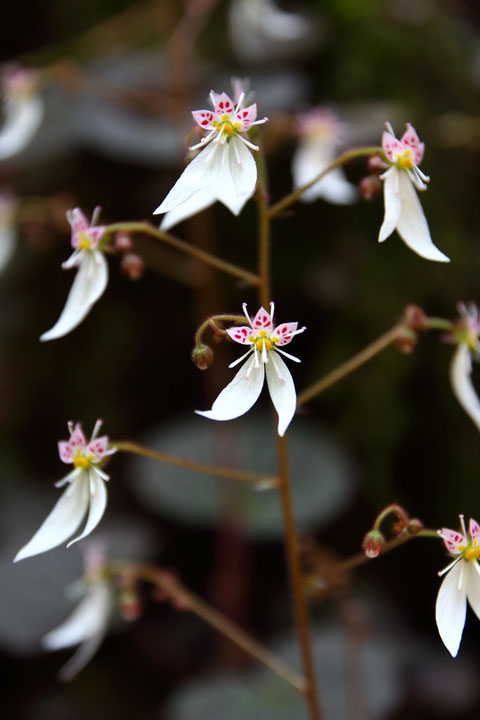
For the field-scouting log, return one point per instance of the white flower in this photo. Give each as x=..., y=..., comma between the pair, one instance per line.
x=243, y=391
x=466, y=335
x=224, y=170
x=23, y=111
x=8, y=236
x=403, y=211
x=85, y=491
x=461, y=583
x=89, y=621
x=91, y=278
x=319, y=131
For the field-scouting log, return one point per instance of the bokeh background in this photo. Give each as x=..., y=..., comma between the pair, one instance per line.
x=118, y=80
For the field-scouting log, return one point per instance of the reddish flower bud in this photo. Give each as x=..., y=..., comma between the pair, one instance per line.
x=202, y=356
x=414, y=317
x=133, y=266
x=373, y=543
x=406, y=341
x=123, y=242
x=414, y=526
x=369, y=187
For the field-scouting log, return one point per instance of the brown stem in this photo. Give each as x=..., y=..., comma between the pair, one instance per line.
x=126, y=446
x=264, y=247
x=294, y=196
x=350, y=365
x=185, y=598
x=213, y=260
x=297, y=581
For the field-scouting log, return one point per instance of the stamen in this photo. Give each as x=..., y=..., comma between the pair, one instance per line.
x=239, y=360
x=239, y=102
x=275, y=365
x=248, y=144
x=449, y=567
x=287, y=355
x=462, y=525
x=272, y=311
x=460, y=579
x=257, y=364
x=96, y=429
x=245, y=312
x=264, y=353
x=95, y=215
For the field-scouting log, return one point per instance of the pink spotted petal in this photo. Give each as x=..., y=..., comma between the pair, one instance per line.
x=77, y=220
x=262, y=321
x=454, y=540
x=411, y=140
x=391, y=145
x=204, y=118
x=474, y=530
x=223, y=104
x=247, y=116
x=240, y=334
x=98, y=447
x=284, y=332
x=95, y=233
x=65, y=450
x=77, y=438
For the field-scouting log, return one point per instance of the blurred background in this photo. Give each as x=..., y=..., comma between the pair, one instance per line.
x=116, y=83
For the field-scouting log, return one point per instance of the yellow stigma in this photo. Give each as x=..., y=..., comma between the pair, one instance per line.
x=472, y=553
x=405, y=161
x=84, y=242
x=81, y=462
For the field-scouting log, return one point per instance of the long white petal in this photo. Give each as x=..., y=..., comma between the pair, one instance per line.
x=473, y=587
x=310, y=161
x=282, y=391
x=451, y=608
x=22, y=118
x=239, y=395
x=89, y=284
x=195, y=177
x=238, y=179
x=460, y=377
x=62, y=521
x=412, y=225
x=391, y=195
x=196, y=203
x=87, y=619
x=98, y=503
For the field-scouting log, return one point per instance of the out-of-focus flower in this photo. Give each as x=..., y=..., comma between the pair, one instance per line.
x=88, y=623
x=8, y=235
x=260, y=30
x=320, y=133
x=242, y=392
x=465, y=334
x=92, y=276
x=403, y=211
x=85, y=491
x=224, y=170
x=461, y=583
x=23, y=110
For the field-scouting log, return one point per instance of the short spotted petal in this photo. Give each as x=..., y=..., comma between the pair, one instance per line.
x=474, y=531
x=240, y=334
x=454, y=540
x=411, y=140
x=204, y=118
x=262, y=321
x=285, y=333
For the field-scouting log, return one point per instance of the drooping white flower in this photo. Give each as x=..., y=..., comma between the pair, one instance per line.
x=465, y=334
x=224, y=170
x=88, y=623
x=85, y=491
x=92, y=275
x=320, y=133
x=461, y=583
x=23, y=110
x=242, y=392
x=403, y=211
x=8, y=235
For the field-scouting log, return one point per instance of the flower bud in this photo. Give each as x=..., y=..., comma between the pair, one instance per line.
x=414, y=317
x=373, y=543
x=202, y=356
x=406, y=341
x=123, y=242
x=376, y=164
x=133, y=266
x=415, y=526
x=130, y=605
x=369, y=187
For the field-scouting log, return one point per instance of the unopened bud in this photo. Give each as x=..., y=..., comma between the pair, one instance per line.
x=123, y=242
x=406, y=341
x=369, y=187
x=373, y=543
x=129, y=605
x=415, y=526
x=376, y=164
x=414, y=317
x=202, y=356
x=133, y=266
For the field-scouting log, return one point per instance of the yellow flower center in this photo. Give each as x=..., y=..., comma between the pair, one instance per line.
x=405, y=161
x=84, y=242
x=226, y=126
x=82, y=461
x=472, y=552
x=262, y=339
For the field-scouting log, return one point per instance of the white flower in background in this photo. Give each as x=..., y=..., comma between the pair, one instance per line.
x=8, y=235
x=224, y=170
x=85, y=491
x=403, y=211
x=23, y=110
x=265, y=342
x=320, y=133
x=461, y=583
x=88, y=623
x=465, y=334
x=92, y=275
x=260, y=30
